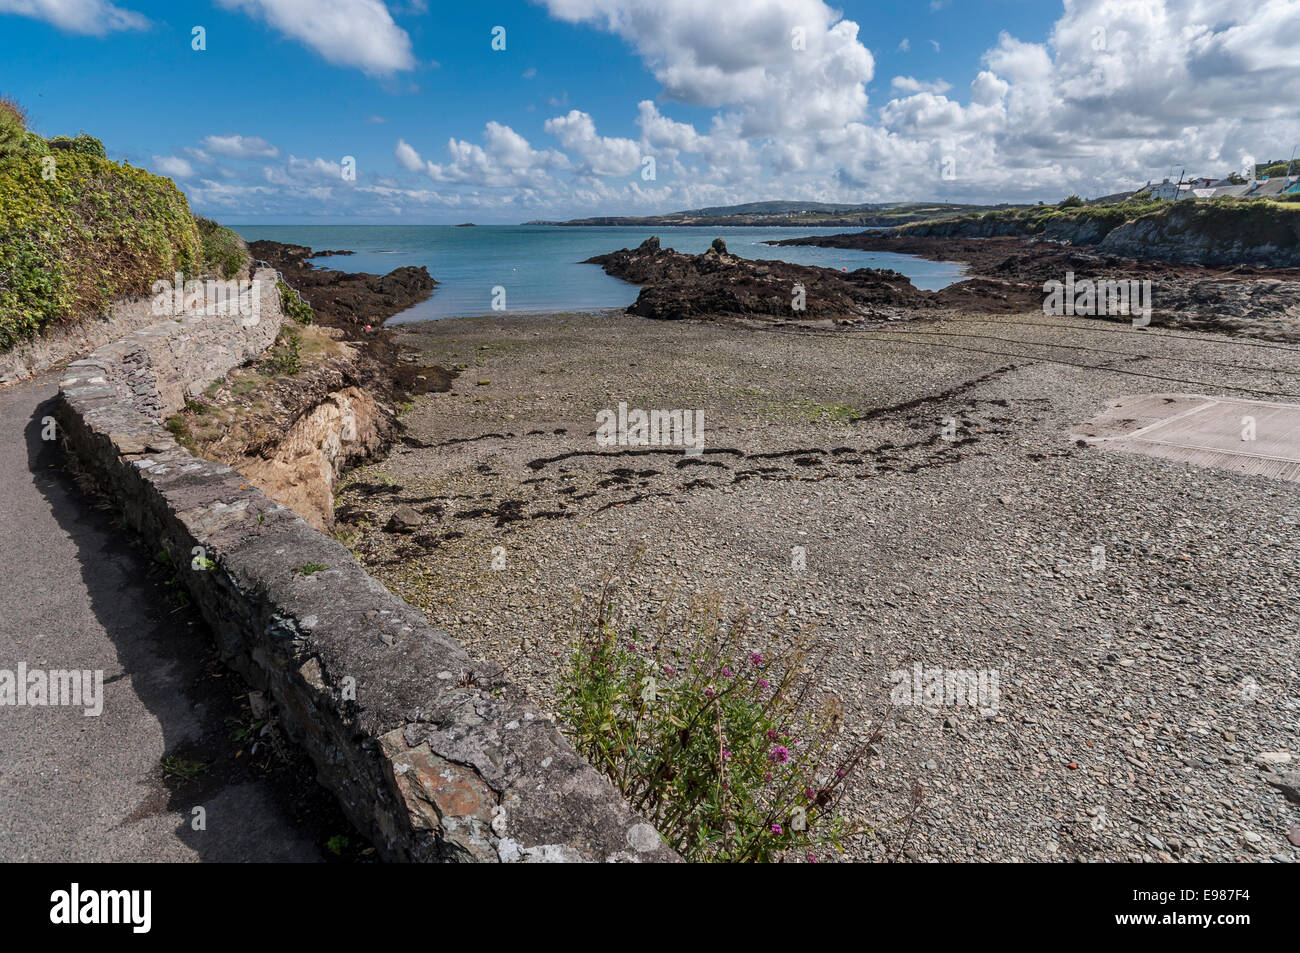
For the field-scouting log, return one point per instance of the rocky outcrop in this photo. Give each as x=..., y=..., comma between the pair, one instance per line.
x=1010, y=274
x=1076, y=231
x=717, y=284
x=1263, y=234
x=1267, y=308
x=963, y=228
x=348, y=427
x=294, y=434
x=350, y=300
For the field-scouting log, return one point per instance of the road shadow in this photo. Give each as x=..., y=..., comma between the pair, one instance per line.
x=256, y=792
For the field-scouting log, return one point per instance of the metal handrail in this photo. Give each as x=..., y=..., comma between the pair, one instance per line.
x=284, y=281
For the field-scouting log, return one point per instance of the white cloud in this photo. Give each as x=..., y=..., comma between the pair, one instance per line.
x=504, y=160
x=407, y=157
x=1119, y=92
x=240, y=147
x=781, y=65
x=905, y=45
x=92, y=17
x=601, y=156
x=299, y=172
x=907, y=84
x=1122, y=91
x=173, y=167
x=667, y=135
x=357, y=33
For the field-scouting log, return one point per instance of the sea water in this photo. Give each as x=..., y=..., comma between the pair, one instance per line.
x=538, y=266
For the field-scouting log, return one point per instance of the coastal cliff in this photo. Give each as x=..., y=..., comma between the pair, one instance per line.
x=1258, y=233
x=1264, y=234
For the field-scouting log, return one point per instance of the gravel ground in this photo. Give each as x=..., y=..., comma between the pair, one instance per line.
x=947, y=520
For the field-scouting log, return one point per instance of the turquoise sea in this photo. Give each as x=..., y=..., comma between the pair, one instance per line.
x=538, y=265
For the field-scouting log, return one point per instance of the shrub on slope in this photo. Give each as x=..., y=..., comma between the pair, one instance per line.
x=224, y=252
x=77, y=231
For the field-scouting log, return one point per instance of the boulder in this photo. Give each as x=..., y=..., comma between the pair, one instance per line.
x=1288, y=782
x=404, y=520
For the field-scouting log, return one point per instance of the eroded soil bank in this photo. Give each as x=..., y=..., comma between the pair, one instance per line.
x=327, y=397
x=948, y=520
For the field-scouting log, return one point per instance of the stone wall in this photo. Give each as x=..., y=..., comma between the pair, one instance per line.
x=433, y=756
x=59, y=343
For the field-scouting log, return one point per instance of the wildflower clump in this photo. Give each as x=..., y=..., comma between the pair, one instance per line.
x=731, y=751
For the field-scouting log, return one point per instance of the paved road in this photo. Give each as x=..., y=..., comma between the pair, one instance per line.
x=75, y=594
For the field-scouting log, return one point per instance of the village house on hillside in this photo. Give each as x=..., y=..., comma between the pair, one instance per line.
x=1207, y=188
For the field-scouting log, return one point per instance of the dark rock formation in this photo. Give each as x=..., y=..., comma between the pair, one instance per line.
x=718, y=284
x=343, y=299
x=353, y=302
x=1010, y=273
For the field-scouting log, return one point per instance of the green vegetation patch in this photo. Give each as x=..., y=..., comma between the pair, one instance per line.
x=181, y=769
x=224, y=252
x=285, y=358
x=82, y=144
x=735, y=753
x=77, y=230
x=1073, y=212
x=293, y=305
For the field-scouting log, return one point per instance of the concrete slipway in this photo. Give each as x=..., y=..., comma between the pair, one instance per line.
x=1247, y=436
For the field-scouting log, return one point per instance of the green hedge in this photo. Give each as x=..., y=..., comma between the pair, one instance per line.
x=1033, y=221
x=224, y=252
x=88, y=231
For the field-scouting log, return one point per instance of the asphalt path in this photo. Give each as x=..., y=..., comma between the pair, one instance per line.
x=75, y=593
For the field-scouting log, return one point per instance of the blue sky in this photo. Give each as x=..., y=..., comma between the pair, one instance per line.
x=1015, y=99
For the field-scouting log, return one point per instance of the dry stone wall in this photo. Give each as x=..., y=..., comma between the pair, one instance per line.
x=431, y=754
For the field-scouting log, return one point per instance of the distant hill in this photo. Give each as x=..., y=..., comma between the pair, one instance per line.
x=796, y=213
x=772, y=208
